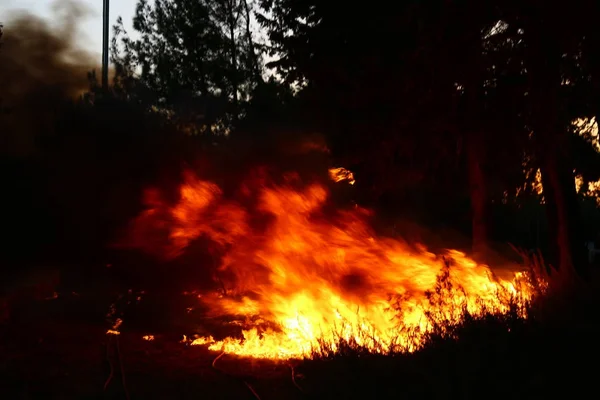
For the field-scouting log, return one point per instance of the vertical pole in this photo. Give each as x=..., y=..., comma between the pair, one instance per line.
x=105, y=25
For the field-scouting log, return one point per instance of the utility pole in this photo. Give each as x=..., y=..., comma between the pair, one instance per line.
x=105, y=25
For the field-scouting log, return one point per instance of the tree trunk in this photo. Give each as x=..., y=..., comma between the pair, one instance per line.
x=476, y=149
x=478, y=192
x=562, y=210
x=591, y=57
x=255, y=66
x=552, y=144
x=474, y=98
x=234, y=70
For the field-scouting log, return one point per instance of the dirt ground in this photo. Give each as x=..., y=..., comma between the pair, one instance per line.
x=59, y=349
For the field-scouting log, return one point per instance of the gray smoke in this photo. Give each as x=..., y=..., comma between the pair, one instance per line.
x=41, y=67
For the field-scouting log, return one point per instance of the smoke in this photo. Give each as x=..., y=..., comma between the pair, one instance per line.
x=41, y=68
x=72, y=171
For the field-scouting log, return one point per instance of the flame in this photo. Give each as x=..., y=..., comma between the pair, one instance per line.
x=306, y=278
x=341, y=174
x=587, y=189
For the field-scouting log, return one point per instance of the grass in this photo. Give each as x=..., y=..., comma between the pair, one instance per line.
x=537, y=349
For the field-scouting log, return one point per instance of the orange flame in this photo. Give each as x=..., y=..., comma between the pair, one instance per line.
x=309, y=277
x=341, y=174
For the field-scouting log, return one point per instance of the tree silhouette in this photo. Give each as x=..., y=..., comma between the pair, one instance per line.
x=483, y=76
x=444, y=111
x=195, y=59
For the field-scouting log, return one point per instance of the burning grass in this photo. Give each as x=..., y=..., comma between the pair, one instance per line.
x=311, y=289
x=445, y=315
x=532, y=350
x=491, y=355
x=446, y=308
x=497, y=352
x=298, y=273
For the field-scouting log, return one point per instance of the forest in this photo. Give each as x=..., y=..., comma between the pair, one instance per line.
x=203, y=166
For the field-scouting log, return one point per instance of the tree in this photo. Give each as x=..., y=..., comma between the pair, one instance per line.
x=359, y=87
x=467, y=22
x=481, y=75
x=190, y=59
x=436, y=72
x=547, y=41
x=430, y=101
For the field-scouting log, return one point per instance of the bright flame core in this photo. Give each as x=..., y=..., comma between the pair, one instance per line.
x=307, y=277
x=341, y=174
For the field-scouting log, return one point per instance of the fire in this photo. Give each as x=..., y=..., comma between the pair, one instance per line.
x=341, y=174
x=306, y=278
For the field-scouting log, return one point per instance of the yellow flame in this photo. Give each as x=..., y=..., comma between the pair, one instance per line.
x=308, y=278
x=341, y=174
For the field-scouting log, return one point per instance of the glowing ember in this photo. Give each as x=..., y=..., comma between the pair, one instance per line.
x=114, y=330
x=341, y=174
x=308, y=278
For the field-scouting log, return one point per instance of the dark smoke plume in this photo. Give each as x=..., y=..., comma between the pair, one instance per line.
x=72, y=170
x=41, y=68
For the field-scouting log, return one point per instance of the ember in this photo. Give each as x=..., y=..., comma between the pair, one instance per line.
x=341, y=174
x=308, y=278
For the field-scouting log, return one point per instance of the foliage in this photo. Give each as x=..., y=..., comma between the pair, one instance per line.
x=398, y=95
x=194, y=59
x=396, y=118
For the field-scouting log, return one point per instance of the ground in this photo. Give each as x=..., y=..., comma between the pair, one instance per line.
x=59, y=349
x=47, y=352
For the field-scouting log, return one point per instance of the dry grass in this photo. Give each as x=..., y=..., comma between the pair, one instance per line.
x=483, y=355
x=533, y=350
